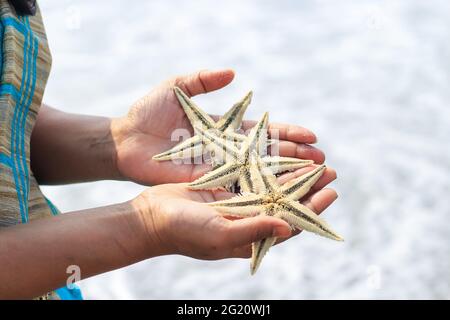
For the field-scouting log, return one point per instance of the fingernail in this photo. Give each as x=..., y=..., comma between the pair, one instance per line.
x=282, y=232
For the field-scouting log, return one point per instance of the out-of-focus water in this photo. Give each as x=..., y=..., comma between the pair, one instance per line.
x=372, y=80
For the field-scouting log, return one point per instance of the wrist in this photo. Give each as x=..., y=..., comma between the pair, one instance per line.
x=151, y=225
x=117, y=131
x=103, y=142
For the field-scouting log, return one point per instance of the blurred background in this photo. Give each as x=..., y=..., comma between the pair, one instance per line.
x=370, y=78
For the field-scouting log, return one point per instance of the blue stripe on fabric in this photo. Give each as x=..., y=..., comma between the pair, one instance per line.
x=65, y=293
x=21, y=155
x=13, y=128
x=6, y=160
x=17, y=120
x=53, y=209
x=7, y=88
x=16, y=125
x=22, y=115
x=12, y=22
x=29, y=99
x=20, y=121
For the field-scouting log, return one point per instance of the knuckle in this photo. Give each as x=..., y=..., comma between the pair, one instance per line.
x=179, y=82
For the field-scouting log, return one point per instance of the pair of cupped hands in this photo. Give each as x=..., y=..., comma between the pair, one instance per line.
x=178, y=219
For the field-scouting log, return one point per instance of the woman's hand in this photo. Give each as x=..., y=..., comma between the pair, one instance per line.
x=179, y=221
x=148, y=127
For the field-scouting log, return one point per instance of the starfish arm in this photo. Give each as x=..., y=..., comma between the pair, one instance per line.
x=259, y=250
x=247, y=205
x=189, y=148
x=301, y=217
x=297, y=188
x=250, y=180
x=222, y=148
x=222, y=176
x=233, y=118
x=245, y=182
x=256, y=133
x=195, y=115
x=264, y=145
x=263, y=179
x=280, y=164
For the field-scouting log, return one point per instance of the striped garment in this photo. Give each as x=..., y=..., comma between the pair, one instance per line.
x=24, y=69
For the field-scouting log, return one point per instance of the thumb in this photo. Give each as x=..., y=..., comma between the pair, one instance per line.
x=245, y=231
x=204, y=81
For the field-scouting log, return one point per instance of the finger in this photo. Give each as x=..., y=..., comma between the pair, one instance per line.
x=287, y=132
x=245, y=231
x=204, y=81
x=221, y=194
x=199, y=170
x=321, y=200
x=296, y=150
x=322, y=182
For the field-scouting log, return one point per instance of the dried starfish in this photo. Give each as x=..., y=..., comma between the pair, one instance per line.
x=279, y=201
x=225, y=127
x=237, y=161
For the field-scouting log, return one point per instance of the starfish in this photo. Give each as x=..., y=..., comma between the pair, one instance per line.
x=237, y=164
x=224, y=127
x=279, y=201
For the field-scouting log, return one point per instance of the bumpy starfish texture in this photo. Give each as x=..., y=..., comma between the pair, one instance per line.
x=225, y=127
x=237, y=165
x=279, y=201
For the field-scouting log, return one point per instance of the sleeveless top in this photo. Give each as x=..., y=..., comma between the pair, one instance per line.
x=24, y=70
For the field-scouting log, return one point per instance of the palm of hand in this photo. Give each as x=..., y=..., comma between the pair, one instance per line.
x=187, y=225
x=151, y=122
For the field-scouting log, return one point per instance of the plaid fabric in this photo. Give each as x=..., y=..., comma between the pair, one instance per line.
x=24, y=69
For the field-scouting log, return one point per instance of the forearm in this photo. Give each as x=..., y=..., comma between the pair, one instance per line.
x=34, y=257
x=68, y=148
